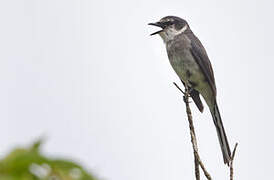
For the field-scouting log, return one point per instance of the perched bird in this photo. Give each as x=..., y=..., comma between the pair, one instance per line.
x=190, y=61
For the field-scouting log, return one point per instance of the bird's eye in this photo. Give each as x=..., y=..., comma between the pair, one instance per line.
x=168, y=23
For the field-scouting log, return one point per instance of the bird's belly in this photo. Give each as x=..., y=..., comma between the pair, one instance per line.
x=188, y=71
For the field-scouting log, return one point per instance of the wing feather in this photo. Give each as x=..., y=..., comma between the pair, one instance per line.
x=201, y=57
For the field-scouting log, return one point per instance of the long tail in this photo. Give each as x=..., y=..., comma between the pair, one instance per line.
x=221, y=133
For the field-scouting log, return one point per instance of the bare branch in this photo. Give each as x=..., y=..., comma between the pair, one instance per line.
x=197, y=170
x=179, y=88
x=197, y=160
x=231, y=162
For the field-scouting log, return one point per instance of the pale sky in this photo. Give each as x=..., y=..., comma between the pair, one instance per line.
x=87, y=75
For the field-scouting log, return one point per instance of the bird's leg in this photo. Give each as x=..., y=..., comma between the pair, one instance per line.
x=185, y=100
x=190, y=86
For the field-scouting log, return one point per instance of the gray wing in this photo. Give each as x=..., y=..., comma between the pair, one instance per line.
x=200, y=56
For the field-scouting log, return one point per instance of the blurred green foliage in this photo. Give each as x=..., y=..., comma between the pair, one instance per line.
x=30, y=164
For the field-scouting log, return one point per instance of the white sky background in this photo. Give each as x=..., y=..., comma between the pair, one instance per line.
x=87, y=75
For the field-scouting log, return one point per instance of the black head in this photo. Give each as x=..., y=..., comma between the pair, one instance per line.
x=171, y=24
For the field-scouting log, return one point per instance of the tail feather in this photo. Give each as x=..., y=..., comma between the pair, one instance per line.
x=221, y=134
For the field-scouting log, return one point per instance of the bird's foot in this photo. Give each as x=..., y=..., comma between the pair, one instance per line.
x=186, y=100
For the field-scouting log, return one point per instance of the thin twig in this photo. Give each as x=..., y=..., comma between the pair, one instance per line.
x=178, y=87
x=197, y=160
x=231, y=162
x=197, y=170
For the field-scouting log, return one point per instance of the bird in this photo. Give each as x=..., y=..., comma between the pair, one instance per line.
x=191, y=63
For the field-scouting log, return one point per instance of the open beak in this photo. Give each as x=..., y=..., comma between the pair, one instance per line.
x=158, y=24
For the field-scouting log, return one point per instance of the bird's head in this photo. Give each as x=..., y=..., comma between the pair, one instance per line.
x=171, y=27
